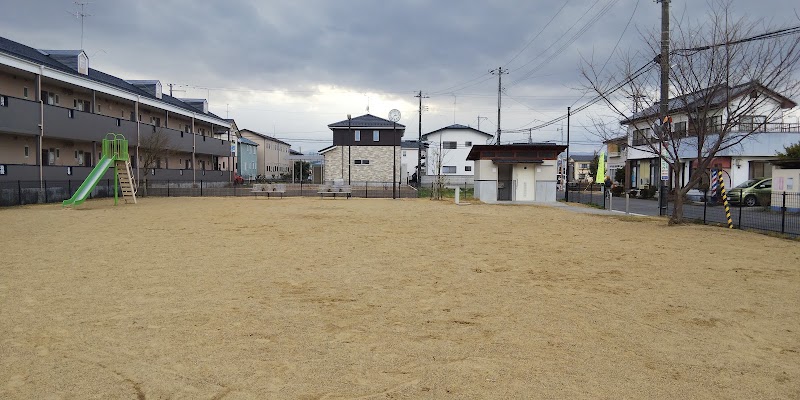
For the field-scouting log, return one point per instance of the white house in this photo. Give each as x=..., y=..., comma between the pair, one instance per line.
x=746, y=160
x=448, y=148
x=408, y=159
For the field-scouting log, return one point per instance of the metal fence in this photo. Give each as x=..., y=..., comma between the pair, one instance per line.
x=13, y=193
x=591, y=194
x=779, y=213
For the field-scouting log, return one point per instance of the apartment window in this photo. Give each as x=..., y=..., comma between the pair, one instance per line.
x=99, y=108
x=468, y=168
x=449, y=169
x=376, y=136
x=3, y=101
x=58, y=153
x=79, y=156
x=27, y=151
x=81, y=105
x=449, y=145
x=56, y=96
x=71, y=113
x=358, y=136
x=468, y=144
x=25, y=92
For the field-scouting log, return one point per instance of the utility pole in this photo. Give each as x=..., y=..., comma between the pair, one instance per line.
x=419, y=141
x=664, y=102
x=479, y=121
x=530, y=135
x=566, y=164
x=499, y=71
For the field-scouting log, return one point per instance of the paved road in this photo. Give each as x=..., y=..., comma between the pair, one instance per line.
x=757, y=218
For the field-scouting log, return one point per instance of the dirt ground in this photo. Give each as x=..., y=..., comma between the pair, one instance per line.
x=243, y=298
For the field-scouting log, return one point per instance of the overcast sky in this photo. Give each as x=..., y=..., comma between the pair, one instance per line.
x=293, y=67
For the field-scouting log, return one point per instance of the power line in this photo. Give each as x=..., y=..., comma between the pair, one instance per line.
x=537, y=35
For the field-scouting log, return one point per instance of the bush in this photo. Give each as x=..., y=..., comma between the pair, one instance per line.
x=648, y=192
x=617, y=191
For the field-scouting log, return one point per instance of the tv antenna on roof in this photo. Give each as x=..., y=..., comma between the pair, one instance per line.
x=82, y=15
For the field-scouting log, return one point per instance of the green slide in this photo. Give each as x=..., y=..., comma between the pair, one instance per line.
x=90, y=182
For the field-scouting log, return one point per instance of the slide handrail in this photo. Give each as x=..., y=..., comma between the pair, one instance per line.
x=115, y=147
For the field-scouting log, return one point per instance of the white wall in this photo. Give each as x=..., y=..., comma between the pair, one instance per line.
x=452, y=157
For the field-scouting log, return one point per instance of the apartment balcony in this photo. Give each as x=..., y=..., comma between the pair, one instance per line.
x=18, y=116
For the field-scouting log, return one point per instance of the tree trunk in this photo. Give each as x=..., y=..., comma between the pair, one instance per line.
x=677, y=209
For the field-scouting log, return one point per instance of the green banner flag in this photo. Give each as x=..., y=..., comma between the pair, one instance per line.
x=600, y=176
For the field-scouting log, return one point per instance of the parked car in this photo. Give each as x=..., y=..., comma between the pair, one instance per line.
x=749, y=192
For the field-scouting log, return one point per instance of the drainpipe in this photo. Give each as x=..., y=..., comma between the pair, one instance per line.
x=194, y=145
x=41, y=126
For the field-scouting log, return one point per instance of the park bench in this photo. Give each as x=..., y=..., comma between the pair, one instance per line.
x=268, y=190
x=337, y=189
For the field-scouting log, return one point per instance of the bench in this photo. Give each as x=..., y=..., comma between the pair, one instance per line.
x=335, y=190
x=268, y=190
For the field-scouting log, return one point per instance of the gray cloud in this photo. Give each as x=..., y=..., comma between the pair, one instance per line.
x=389, y=47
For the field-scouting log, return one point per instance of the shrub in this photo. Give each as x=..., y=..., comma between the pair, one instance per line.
x=617, y=190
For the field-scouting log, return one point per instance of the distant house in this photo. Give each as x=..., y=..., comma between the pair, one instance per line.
x=272, y=154
x=410, y=151
x=616, y=155
x=448, y=148
x=516, y=172
x=365, y=149
x=580, y=166
x=247, y=158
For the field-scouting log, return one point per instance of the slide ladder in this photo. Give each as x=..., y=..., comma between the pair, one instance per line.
x=126, y=185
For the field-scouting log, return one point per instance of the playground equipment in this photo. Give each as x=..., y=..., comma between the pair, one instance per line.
x=115, y=153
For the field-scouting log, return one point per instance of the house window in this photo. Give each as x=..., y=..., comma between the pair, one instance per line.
x=449, y=169
x=468, y=168
x=468, y=144
x=25, y=92
x=357, y=136
x=584, y=166
x=376, y=136
x=27, y=151
x=713, y=124
x=361, y=162
x=752, y=123
x=640, y=137
x=404, y=153
x=679, y=128
x=449, y=145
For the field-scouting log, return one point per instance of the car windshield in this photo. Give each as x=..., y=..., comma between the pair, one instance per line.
x=747, y=183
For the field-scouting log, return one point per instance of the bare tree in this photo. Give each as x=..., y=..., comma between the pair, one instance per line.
x=153, y=149
x=723, y=73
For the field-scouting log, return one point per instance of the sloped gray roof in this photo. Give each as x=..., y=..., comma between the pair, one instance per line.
x=41, y=57
x=458, y=126
x=710, y=97
x=366, y=121
x=268, y=137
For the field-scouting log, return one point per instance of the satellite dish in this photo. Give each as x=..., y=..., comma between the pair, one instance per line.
x=394, y=115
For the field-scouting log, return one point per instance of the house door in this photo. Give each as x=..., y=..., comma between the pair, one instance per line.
x=504, y=182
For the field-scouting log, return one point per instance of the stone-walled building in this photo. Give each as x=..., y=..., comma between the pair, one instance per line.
x=365, y=149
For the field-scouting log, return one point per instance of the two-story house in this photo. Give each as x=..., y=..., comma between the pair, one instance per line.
x=272, y=154
x=616, y=156
x=756, y=133
x=447, y=152
x=55, y=110
x=247, y=158
x=365, y=149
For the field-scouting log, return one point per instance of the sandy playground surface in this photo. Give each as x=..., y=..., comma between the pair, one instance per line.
x=243, y=298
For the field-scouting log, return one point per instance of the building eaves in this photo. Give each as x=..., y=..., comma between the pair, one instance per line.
x=265, y=136
x=366, y=121
x=459, y=127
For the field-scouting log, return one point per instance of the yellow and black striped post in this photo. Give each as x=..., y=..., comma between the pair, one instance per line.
x=725, y=199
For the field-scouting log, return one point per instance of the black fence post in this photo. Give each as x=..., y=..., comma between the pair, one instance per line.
x=167, y=187
x=603, y=190
x=783, y=213
x=591, y=193
x=705, y=205
x=201, y=188
x=366, y=189
x=45, y=190
x=19, y=192
x=741, y=205
x=69, y=187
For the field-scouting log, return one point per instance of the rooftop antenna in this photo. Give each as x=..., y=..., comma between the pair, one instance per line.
x=82, y=15
x=367, y=104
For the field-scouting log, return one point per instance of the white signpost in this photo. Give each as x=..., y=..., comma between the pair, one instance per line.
x=664, y=168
